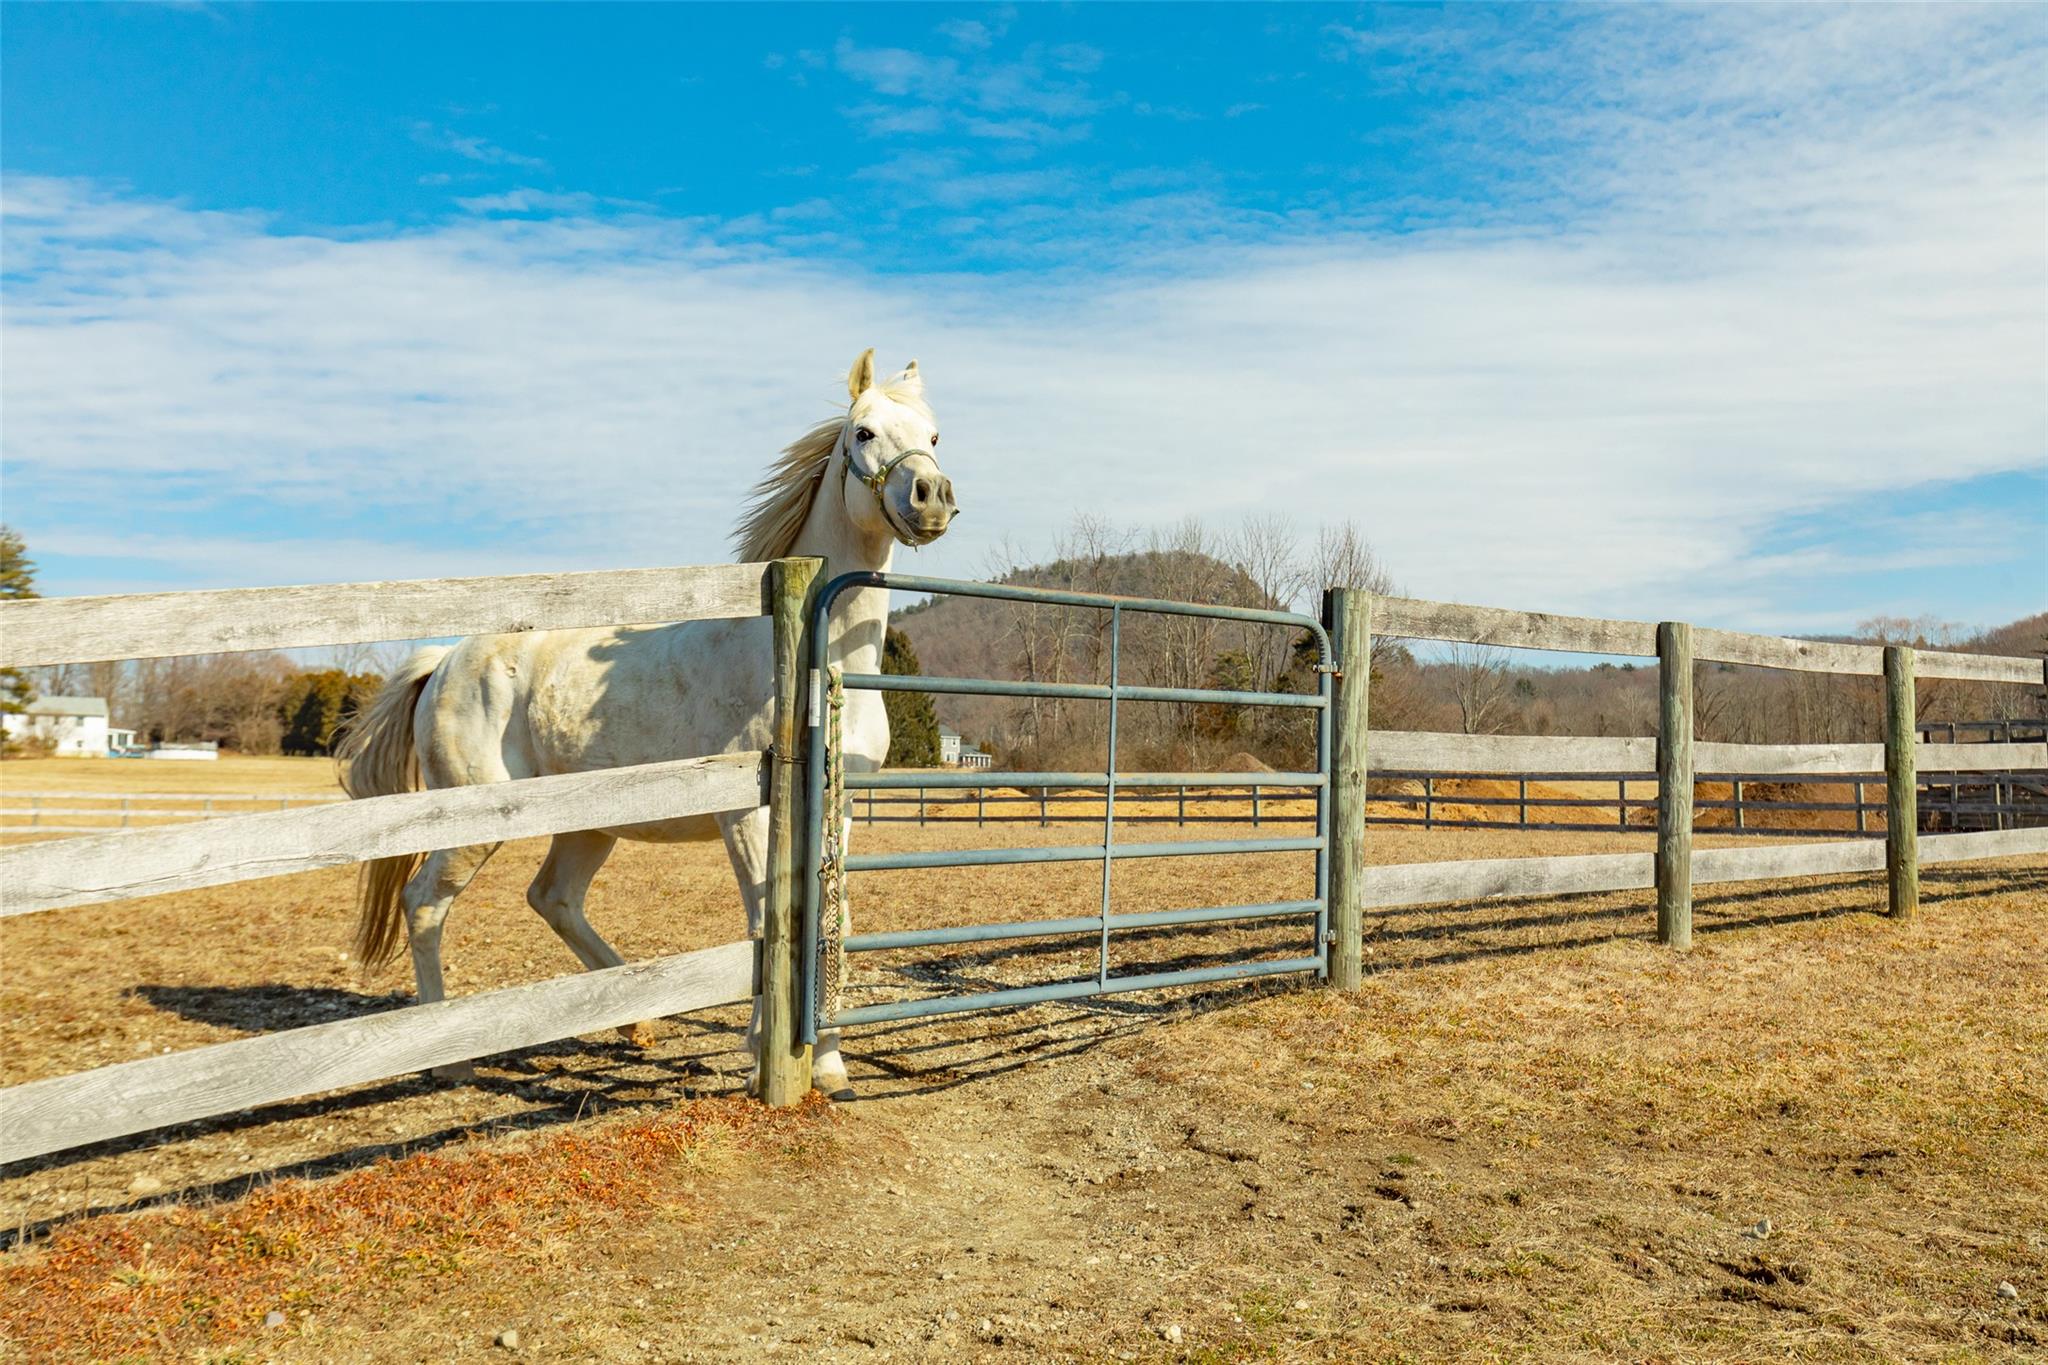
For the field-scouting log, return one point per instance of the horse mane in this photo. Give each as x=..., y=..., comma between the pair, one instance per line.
x=782, y=499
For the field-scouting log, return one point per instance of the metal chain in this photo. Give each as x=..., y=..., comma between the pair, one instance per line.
x=833, y=916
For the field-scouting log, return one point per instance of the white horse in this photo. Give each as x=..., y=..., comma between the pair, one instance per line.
x=498, y=707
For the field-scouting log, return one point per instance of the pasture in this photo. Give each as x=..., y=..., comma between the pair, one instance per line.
x=1533, y=1125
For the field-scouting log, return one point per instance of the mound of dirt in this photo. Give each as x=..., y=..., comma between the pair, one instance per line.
x=1242, y=762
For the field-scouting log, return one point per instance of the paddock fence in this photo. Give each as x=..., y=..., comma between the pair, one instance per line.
x=55, y=1114
x=1445, y=798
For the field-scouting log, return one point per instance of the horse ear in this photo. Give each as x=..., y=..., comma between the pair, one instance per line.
x=861, y=377
x=909, y=379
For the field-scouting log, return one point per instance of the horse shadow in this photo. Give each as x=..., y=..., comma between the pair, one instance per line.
x=265, y=1008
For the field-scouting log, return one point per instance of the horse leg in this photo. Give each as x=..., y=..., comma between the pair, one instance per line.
x=557, y=896
x=746, y=843
x=428, y=897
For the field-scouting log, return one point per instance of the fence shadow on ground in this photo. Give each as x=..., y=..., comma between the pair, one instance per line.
x=702, y=1053
x=924, y=1056
x=558, y=1083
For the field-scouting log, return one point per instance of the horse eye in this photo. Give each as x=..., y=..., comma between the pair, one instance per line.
x=863, y=434
x=935, y=440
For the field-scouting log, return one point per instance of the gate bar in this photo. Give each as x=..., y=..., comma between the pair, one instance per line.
x=998, y=687
x=1102, y=601
x=1069, y=990
x=1116, y=648
x=1071, y=853
x=1059, y=928
x=982, y=777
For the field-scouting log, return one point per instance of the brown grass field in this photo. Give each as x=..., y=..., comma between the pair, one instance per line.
x=1534, y=1134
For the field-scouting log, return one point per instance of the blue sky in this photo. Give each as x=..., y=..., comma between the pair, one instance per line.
x=1738, y=314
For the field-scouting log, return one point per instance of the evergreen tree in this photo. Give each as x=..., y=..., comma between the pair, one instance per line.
x=317, y=705
x=17, y=579
x=913, y=724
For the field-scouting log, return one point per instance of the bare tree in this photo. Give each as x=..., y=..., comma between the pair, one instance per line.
x=1480, y=685
x=1343, y=558
x=1266, y=551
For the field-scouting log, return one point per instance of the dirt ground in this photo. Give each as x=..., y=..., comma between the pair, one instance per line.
x=1534, y=1133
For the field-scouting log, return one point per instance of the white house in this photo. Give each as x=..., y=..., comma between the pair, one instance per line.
x=74, y=727
x=955, y=754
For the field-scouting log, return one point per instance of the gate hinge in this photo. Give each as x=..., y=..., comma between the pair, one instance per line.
x=1330, y=938
x=817, y=712
x=1330, y=669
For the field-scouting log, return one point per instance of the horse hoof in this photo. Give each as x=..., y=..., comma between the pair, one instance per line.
x=639, y=1035
x=841, y=1095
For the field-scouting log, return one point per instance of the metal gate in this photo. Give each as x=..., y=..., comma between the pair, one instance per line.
x=824, y=948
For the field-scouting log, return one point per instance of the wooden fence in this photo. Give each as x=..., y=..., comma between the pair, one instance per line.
x=51, y=1115
x=132, y=1097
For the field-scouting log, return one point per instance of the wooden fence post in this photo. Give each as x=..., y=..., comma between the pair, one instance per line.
x=1347, y=613
x=783, y=1072
x=1901, y=784
x=1674, y=784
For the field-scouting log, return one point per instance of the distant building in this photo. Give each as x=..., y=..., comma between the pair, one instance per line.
x=205, y=751
x=955, y=753
x=73, y=727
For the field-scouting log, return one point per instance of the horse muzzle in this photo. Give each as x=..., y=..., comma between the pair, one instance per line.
x=932, y=510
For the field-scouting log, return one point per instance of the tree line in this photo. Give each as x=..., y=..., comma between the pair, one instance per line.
x=1266, y=562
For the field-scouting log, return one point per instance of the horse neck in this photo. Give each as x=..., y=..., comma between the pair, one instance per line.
x=860, y=618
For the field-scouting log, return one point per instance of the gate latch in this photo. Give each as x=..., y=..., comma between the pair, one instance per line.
x=817, y=716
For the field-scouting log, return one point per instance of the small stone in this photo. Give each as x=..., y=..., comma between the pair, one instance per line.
x=507, y=1339
x=1301, y=1305
x=1172, y=1333
x=145, y=1184
x=987, y=1327
x=273, y=1319
x=1759, y=1229
x=2006, y=1290
x=646, y=1345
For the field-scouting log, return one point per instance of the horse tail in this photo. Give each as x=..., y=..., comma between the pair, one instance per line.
x=376, y=758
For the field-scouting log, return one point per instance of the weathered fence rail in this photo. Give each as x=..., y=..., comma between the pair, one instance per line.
x=148, y=862
x=58, y=630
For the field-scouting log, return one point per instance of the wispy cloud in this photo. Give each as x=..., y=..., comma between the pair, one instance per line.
x=1034, y=99
x=472, y=147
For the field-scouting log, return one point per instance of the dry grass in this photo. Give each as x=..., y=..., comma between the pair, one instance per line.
x=1534, y=1133
x=233, y=773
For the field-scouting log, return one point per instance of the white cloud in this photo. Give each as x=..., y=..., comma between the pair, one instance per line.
x=1771, y=314
x=473, y=148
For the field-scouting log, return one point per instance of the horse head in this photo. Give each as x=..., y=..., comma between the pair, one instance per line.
x=890, y=466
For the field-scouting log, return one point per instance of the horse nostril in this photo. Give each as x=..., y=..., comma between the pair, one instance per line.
x=946, y=491
x=921, y=493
